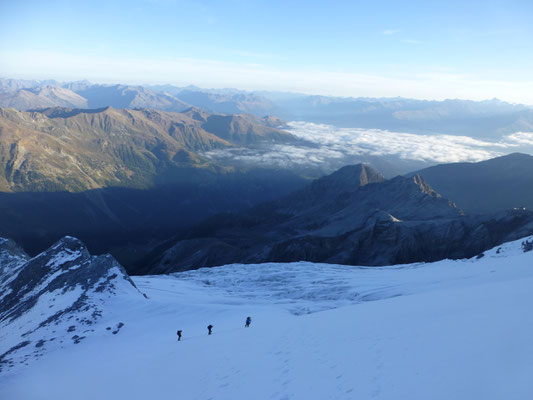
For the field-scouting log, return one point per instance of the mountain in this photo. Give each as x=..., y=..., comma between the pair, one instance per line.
x=354, y=217
x=31, y=95
x=16, y=84
x=123, y=180
x=11, y=258
x=243, y=129
x=41, y=97
x=491, y=119
x=57, y=297
x=125, y=96
x=64, y=149
x=229, y=103
x=129, y=222
x=416, y=331
x=488, y=119
x=311, y=222
x=488, y=186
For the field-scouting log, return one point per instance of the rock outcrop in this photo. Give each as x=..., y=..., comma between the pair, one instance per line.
x=353, y=216
x=57, y=297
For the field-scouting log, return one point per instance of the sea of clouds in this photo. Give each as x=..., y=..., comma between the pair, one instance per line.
x=329, y=145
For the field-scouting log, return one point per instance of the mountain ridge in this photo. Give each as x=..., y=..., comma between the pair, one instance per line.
x=74, y=149
x=354, y=222
x=487, y=119
x=488, y=186
x=58, y=296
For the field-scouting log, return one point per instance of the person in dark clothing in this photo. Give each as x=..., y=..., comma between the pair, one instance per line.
x=248, y=322
x=209, y=328
x=179, y=335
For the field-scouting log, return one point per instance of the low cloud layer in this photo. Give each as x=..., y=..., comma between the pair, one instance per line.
x=522, y=138
x=376, y=142
x=327, y=148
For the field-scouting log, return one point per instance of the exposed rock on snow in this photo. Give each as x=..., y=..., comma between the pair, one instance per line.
x=12, y=257
x=46, y=298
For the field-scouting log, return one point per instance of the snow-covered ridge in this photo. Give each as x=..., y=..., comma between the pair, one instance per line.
x=55, y=297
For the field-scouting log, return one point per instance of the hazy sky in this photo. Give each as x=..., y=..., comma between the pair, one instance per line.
x=422, y=49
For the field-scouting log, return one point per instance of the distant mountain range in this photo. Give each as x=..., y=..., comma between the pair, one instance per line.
x=42, y=97
x=484, y=119
x=58, y=149
x=137, y=176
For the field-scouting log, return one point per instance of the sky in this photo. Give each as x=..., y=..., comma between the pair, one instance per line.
x=421, y=49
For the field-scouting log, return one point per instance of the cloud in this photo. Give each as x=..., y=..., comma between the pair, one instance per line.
x=376, y=142
x=413, y=41
x=390, y=31
x=330, y=147
x=282, y=156
x=525, y=138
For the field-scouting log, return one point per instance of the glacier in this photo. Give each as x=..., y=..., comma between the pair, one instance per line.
x=453, y=329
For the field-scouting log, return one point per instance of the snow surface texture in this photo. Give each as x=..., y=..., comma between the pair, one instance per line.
x=446, y=330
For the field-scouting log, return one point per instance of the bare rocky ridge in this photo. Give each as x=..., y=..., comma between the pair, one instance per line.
x=71, y=149
x=57, y=297
x=41, y=97
x=353, y=216
x=12, y=257
x=126, y=96
x=28, y=95
x=226, y=103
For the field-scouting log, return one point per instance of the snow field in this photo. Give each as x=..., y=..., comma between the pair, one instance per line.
x=446, y=330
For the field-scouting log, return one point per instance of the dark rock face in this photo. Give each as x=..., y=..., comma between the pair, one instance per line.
x=63, y=286
x=11, y=258
x=353, y=216
x=488, y=186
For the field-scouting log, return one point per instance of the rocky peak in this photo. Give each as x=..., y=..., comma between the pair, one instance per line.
x=348, y=179
x=408, y=199
x=12, y=257
x=62, y=290
x=424, y=186
x=10, y=253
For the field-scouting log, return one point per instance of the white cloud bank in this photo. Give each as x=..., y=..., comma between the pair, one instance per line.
x=332, y=146
x=525, y=138
x=376, y=142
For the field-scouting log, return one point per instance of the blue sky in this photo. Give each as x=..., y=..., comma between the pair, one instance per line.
x=424, y=49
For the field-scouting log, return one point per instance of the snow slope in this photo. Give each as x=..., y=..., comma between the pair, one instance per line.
x=55, y=298
x=445, y=330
